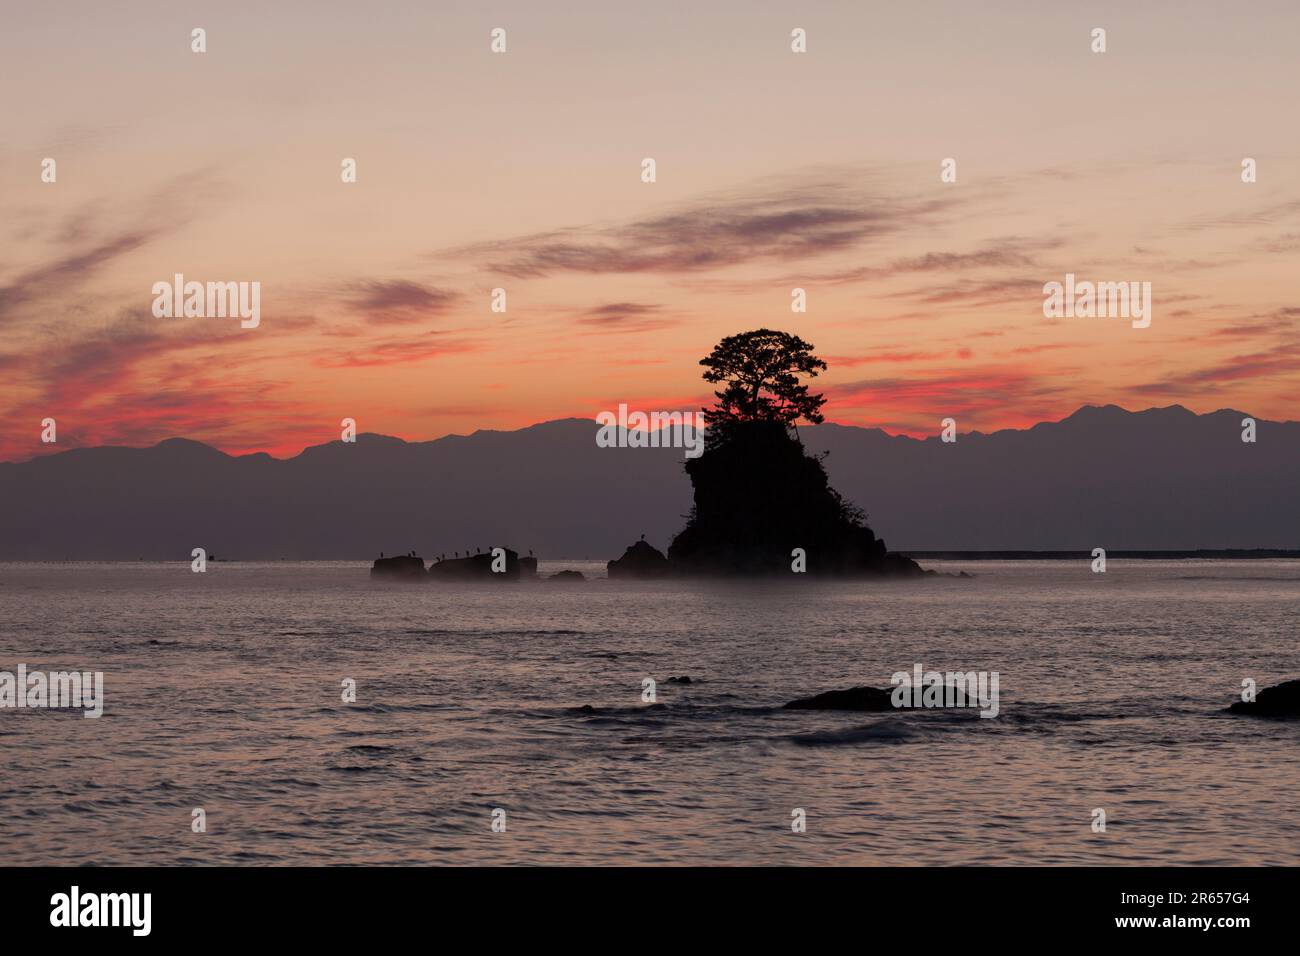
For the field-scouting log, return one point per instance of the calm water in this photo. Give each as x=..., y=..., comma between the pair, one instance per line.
x=223, y=692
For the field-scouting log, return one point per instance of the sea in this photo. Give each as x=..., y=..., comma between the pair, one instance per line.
x=514, y=722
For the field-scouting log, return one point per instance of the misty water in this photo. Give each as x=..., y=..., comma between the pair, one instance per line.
x=223, y=691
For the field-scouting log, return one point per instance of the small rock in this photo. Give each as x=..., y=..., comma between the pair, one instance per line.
x=878, y=699
x=402, y=567
x=567, y=576
x=855, y=698
x=640, y=560
x=1281, y=700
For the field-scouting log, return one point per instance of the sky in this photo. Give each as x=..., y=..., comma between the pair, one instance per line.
x=522, y=171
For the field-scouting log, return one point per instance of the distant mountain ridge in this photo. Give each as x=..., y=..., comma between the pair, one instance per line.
x=1159, y=479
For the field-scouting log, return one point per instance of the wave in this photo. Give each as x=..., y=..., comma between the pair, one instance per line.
x=516, y=632
x=883, y=731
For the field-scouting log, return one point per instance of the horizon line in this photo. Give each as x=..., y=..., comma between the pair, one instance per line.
x=577, y=418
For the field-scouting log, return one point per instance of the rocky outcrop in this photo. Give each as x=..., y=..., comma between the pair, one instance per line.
x=764, y=506
x=402, y=567
x=567, y=576
x=1281, y=700
x=855, y=698
x=879, y=699
x=641, y=560
x=480, y=567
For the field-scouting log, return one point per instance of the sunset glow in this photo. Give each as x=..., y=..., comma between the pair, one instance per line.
x=522, y=172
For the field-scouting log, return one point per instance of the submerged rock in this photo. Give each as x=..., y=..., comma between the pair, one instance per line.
x=946, y=695
x=855, y=698
x=400, y=567
x=1281, y=700
x=641, y=560
x=567, y=576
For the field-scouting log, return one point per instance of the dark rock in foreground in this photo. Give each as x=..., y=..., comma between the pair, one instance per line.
x=1281, y=700
x=405, y=567
x=878, y=699
x=478, y=567
x=639, y=561
x=855, y=698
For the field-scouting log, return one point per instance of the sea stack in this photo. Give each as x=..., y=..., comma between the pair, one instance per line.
x=763, y=506
x=485, y=566
x=640, y=560
x=402, y=567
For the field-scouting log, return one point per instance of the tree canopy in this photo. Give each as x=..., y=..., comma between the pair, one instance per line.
x=759, y=372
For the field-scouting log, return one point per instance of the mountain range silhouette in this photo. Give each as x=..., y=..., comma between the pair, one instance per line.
x=1163, y=478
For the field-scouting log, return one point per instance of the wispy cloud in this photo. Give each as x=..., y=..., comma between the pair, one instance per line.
x=399, y=300
x=1218, y=376
x=625, y=317
x=431, y=345
x=980, y=292
x=885, y=357
x=1284, y=321
x=106, y=237
x=68, y=272
x=1263, y=214
x=1012, y=252
x=787, y=220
